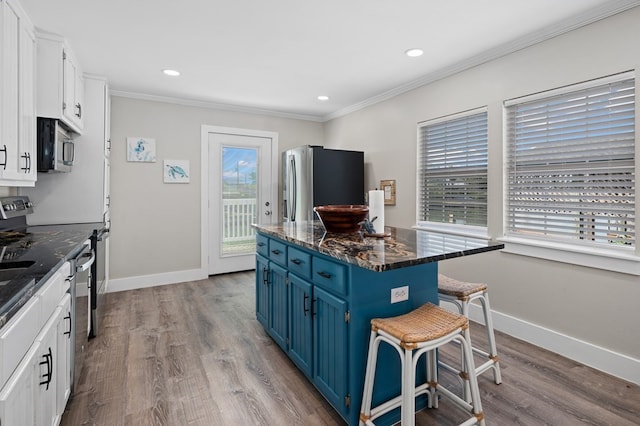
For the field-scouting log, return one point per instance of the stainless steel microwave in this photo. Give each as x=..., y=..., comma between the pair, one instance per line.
x=56, y=150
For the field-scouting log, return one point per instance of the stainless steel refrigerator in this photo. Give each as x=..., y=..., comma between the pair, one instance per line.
x=314, y=176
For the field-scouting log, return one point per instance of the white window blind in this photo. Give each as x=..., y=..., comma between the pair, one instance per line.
x=571, y=164
x=452, y=170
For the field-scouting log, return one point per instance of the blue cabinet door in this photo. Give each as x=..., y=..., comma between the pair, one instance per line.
x=262, y=291
x=330, y=332
x=278, y=307
x=300, y=324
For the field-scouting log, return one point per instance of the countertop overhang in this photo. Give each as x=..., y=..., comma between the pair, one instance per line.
x=402, y=248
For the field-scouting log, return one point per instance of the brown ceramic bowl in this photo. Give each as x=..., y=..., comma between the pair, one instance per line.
x=343, y=219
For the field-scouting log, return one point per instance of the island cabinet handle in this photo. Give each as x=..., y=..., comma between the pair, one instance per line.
x=313, y=311
x=265, y=276
x=276, y=251
x=304, y=304
x=325, y=275
x=261, y=244
x=296, y=261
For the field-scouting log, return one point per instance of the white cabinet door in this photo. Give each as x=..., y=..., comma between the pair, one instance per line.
x=63, y=363
x=17, y=398
x=73, y=88
x=10, y=51
x=17, y=110
x=46, y=374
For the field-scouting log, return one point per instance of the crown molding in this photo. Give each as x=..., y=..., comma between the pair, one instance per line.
x=214, y=105
x=588, y=17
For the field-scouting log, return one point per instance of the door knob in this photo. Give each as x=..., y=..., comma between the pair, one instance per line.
x=267, y=213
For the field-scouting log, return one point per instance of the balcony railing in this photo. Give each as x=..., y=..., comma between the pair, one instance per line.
x=237, y=216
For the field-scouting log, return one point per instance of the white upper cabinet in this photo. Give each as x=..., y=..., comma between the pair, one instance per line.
x=60, y=82
x=17, y=89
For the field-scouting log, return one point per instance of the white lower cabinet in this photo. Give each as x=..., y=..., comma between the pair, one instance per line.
x=39, y=386
x=17, y=398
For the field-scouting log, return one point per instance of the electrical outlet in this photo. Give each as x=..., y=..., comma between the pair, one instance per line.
x=399, y=294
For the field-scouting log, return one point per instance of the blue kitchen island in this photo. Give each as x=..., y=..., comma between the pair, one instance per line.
x=316, y=293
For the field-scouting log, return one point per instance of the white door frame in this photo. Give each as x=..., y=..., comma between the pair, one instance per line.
x=204, y=183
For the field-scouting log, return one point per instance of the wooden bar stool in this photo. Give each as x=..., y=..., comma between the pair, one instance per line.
x=461, y=294
x=413, y=334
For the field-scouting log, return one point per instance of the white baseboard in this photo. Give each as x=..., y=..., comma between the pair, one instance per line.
x=144, y=281
x=616, y=364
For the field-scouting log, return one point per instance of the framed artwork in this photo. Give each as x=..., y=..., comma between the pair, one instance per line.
x=176, y=171
x=141, y=150
x=389, y=188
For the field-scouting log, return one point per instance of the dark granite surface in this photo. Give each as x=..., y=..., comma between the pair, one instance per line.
x=48, y=247
x=404, y=247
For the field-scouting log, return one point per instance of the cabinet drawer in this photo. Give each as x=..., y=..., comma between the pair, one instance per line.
x=278, y=252
x=18, y=335
x=299, y=262
x=51, y=293
x=329, y=275
x=262, y=245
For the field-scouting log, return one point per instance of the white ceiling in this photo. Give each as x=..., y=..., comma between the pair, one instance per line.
x=279, y=55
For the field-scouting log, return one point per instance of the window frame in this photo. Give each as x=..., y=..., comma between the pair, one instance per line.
x=615, y=258
x=476, y=231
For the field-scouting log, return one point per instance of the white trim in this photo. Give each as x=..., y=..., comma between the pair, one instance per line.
x=145, y=281
x=213, y=105
x=603, y=359
x=608, y=260
x=204, y=180
x=590, y=16
x=600, y=81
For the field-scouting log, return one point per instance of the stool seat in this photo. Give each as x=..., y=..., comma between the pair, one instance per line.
x=461, y=294
x=428, y=322
x=412, y=335
x=458, y=289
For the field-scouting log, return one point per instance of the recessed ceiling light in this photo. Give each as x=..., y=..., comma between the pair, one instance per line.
x=413, y=53
x=172, y=73
x=323, y=98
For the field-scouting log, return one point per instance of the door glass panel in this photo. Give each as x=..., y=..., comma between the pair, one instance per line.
x=239, y=200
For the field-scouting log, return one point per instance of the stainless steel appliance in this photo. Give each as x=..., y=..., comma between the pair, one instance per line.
x=56, y=150
x=314, y=176
x=80, y=280
x=99, y=282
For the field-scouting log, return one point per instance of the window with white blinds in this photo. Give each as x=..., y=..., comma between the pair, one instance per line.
x=452, y=170
x=571, y=164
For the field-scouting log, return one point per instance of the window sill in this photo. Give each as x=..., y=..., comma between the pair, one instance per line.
x=609, y=260
x=461, y=230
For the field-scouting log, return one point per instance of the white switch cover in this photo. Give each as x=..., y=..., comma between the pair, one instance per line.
x=399, y=294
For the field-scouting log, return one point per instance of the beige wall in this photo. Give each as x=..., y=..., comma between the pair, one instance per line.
x=156, y=226
x=592, y=305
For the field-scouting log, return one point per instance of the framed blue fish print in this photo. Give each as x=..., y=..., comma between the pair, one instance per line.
x=141, y=150
x=176, y=171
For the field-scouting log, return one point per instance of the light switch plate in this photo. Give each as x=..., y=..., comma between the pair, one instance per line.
x=399, y=294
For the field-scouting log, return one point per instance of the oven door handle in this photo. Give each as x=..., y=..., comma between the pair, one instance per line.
x=81, y=267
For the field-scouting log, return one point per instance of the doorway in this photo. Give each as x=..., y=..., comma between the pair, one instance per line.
x=240, y=190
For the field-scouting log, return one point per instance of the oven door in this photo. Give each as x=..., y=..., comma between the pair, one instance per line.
x=80, y=282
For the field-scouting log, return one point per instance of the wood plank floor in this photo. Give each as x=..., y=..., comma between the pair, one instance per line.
x=194, y=354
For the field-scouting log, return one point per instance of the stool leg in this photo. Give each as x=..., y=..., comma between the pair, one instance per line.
x=493, y=351
x=408, y=408
x=369, y=378
x=466, y=391
x=473, y=380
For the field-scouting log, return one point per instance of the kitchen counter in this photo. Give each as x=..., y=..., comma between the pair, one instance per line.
x=402, y=248
x=48, y=246
x=317, y=292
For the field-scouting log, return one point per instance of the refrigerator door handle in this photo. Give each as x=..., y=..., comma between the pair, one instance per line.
x=294, y=189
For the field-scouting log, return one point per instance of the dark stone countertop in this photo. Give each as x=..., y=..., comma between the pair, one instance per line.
x=402, y=248
x=48, y=246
